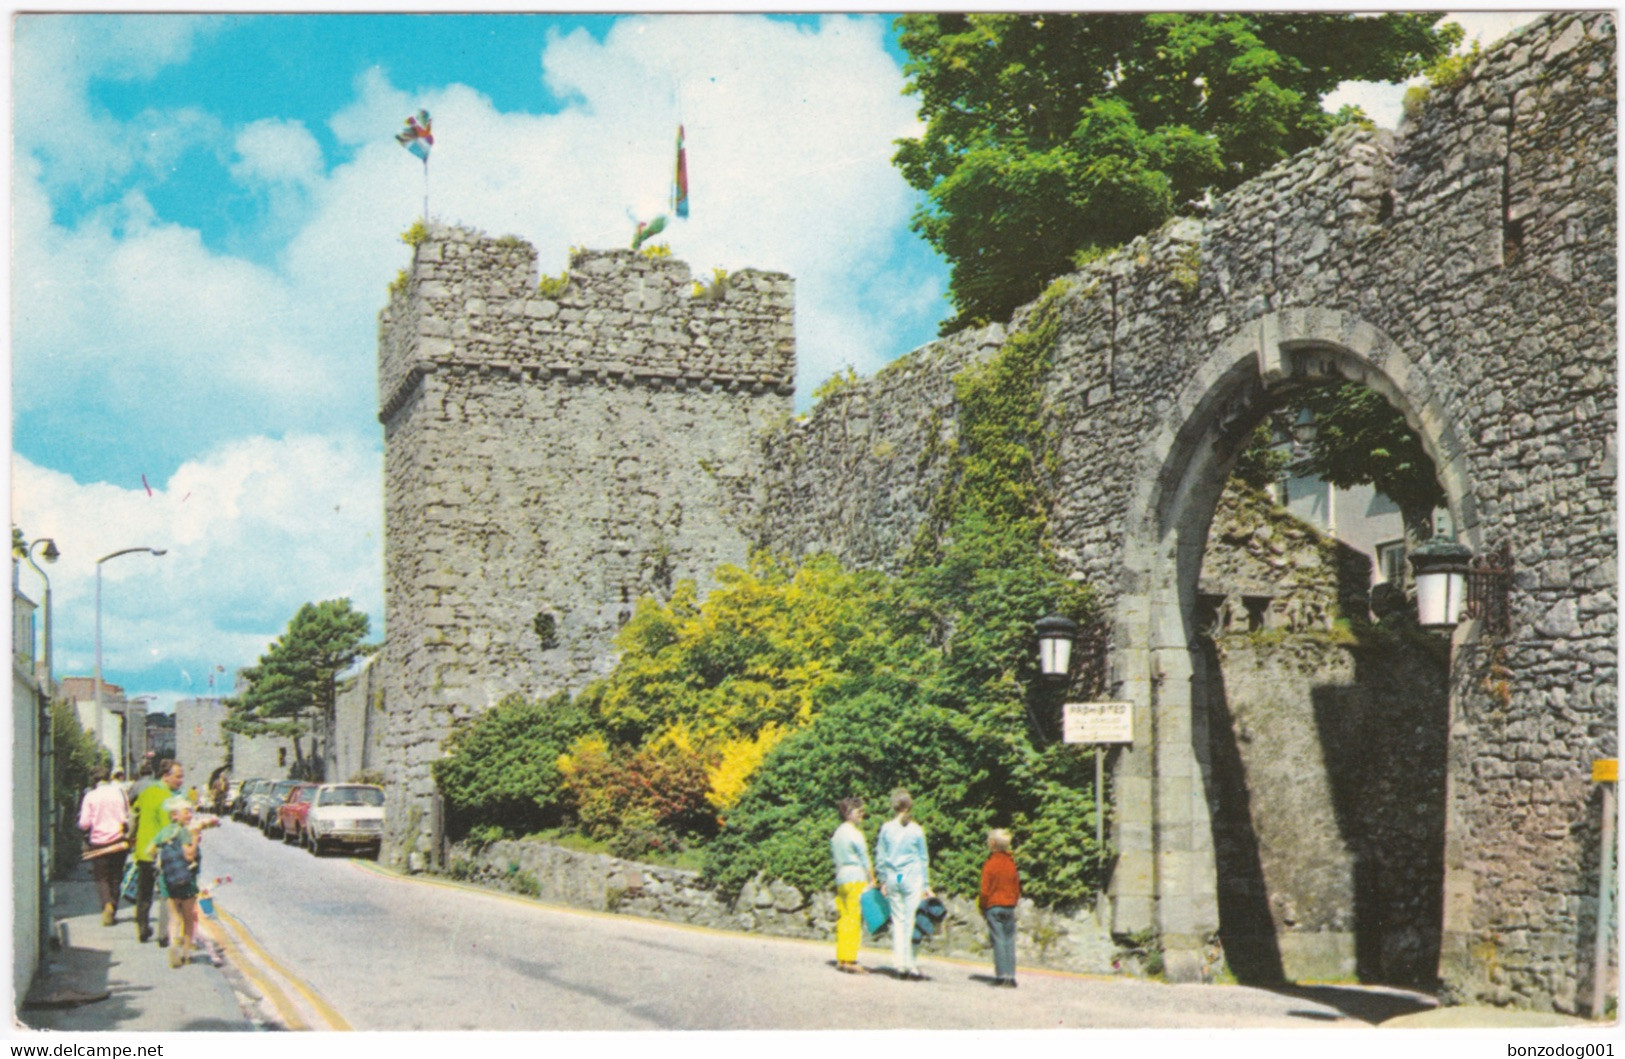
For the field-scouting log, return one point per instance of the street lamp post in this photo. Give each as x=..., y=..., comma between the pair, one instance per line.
x=51, y=556
x=100, y=718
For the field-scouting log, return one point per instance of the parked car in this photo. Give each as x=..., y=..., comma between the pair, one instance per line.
x=290, y=815
x=233, y=796
x=350, y=815
x=266, y=803
x=245, y=796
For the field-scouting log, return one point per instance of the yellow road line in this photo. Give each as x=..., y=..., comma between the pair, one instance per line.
x=284, y=1007
x=328, y=1013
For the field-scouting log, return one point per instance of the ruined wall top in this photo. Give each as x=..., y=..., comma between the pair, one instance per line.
x=473, y=301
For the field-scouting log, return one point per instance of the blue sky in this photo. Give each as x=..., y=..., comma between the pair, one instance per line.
x=206, y=213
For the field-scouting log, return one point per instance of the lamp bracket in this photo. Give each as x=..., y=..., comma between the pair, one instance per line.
x=1489, y=589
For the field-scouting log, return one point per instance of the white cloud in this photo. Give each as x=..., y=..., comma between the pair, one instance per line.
x=277, y=152
x=251, y=531
x=53, y=56
x=140, y=312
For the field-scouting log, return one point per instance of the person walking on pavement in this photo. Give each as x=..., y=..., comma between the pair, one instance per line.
x=1001, y=889
x=104, y=816
x=149, y=817
x=177, y=852
x=146, y=777
x=853, y=874
x=903, y=865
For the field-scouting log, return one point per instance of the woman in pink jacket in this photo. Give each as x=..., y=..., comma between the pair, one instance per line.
x=104, y=816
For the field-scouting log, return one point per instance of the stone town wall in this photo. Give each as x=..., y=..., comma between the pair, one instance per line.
x=553, y=451
x=270, y=757
x=200, y=743
x=1466, y=268
x=1329, y=779
x=355, y=733
x=1269, y=571
x=603, y=883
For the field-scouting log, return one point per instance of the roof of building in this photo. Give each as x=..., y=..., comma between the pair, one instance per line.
x=82, y=688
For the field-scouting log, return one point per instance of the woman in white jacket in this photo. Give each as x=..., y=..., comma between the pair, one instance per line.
x=904, y=866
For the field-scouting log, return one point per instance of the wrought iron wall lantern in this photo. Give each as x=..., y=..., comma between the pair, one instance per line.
x=1452, y=584
x=1056, y=635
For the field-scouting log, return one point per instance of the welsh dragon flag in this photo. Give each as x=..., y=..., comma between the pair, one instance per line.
x=679, y=184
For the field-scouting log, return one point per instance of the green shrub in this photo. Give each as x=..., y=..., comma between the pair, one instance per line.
x=501, y=769
x=553, y=286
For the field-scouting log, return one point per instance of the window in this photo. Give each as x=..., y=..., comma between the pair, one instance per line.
x=1391, y=562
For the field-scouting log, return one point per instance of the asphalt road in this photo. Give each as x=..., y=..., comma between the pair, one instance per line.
x=396, y=953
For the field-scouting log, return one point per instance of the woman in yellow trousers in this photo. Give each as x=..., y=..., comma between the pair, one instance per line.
x=853, y=874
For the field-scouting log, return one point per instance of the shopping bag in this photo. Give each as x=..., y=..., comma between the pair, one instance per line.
x=875, y=912
x=127, y=888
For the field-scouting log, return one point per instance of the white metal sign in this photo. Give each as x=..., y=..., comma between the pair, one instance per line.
x=1098, y=722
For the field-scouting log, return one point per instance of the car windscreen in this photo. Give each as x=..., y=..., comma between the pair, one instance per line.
x=370, y=796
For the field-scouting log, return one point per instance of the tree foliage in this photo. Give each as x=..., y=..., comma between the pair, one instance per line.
x=1361, y=439
x=503, y=769
x=297, y=673
x=1052, y=134
x=76, y=752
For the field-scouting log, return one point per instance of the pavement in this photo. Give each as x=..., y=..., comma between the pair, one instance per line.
x=102, y=978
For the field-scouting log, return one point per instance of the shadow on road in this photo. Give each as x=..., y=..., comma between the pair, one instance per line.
x=1370, y=1005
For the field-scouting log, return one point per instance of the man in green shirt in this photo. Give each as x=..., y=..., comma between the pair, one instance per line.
x=147, y=817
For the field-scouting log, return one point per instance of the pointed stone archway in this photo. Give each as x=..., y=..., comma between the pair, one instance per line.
x=1166, y=877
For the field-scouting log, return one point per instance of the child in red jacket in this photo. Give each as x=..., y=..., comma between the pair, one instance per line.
x=1001, y=889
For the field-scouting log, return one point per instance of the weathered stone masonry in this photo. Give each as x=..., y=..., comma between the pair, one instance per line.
x=549, y=459
x=1465, y=269
x=557, y=456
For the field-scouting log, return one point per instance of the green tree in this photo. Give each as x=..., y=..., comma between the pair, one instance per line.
x=1050, y=135
x=295, y=678
x=75, y=753
x=1361, y=439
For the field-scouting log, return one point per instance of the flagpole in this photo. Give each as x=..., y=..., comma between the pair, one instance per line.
x=425, y=192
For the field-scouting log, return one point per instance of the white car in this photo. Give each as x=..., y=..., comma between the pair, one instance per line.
x=350, y=815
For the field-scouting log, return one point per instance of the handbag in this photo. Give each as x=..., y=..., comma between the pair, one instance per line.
x=930, y=913
x=875, y=911
x=128, y=888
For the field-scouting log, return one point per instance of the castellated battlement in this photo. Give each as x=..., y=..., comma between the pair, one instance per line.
x=473, y=302
x=554, y=450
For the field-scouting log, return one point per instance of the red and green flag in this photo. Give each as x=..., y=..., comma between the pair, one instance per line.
x=679, y=185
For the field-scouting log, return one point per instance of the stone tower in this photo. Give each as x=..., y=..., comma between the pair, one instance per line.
x=552, y=451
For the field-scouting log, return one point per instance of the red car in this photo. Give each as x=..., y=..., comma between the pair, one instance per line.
x=290, y=815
